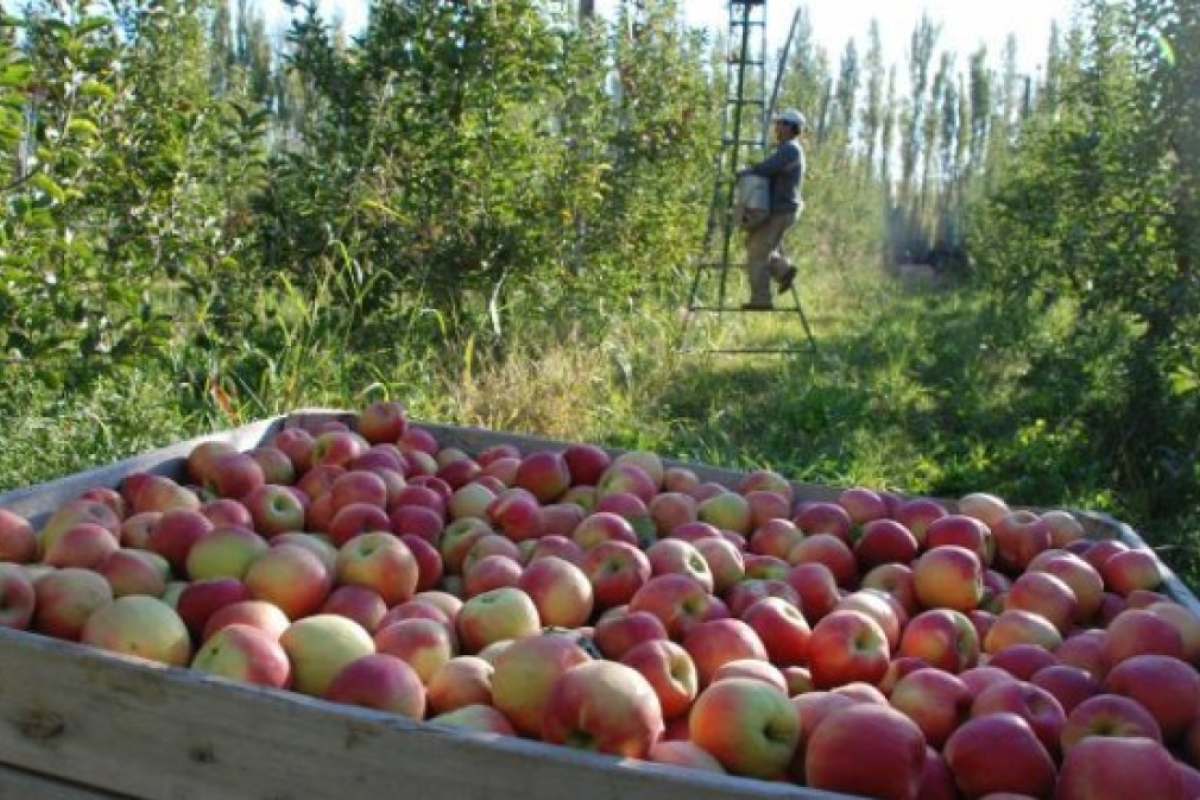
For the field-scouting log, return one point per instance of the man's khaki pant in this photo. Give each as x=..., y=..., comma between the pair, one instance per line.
x=764, y=254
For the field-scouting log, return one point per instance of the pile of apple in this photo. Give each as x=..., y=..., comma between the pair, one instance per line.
x=871, y=644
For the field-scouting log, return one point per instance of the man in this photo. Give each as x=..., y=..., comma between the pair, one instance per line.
x=785, y=170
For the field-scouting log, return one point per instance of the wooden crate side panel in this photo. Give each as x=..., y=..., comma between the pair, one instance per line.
x=144, y=731
x=17, y=783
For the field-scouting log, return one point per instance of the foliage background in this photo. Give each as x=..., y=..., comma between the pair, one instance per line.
x=491, y=210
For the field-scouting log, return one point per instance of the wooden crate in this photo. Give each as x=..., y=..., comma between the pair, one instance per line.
x=79, y=723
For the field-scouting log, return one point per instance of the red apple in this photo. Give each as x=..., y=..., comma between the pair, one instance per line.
x=964, y=531
x=671, y=672
x=823, y=516
x=560, y=590
x=358, y=603
x=884, y=541
x=817, y=588
x=783, y=630
x=524, y=674
x=1031, y=703
x=1108, y=715
x=890, y=742
x=246, y=654
x=1167, y=687
x=66, y=598
x=948, y=576
x=18, y=541
x=199, y=600
x=942, y=638
x=999, y=753
x=17, y=597
x=1139, y=632
x=1105, y=767
x=716, y=642
x=266, y=617
x=461, y=681
x=619, y=630
x=603, y=706
x=292, y=577
x=504, y=613
x=934, y=699
x=679, y=602
x=847, y=646
x=379, y=681
x=383, y=421
x=423, y=644
x=616, y=570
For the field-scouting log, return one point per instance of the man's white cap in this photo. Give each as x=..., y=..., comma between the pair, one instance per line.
x=791, y=116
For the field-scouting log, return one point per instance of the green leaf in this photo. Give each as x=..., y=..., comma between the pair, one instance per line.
x=93, y=88
x=48, y=185
x=83, y=127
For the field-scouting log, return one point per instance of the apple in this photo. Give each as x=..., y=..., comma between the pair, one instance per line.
x=766, y=506
x=1106, y=714
x=200, y=459
x=1139, y=632
x=883, y=737
x=884, y=541
x=1014, y=626
x=461, y=681
x=1069, y=685
x=524, y=674
x=276, y=465
x=490, y=572
x=378, y=561
x=620, y=630
x=766, y=480
x=320, y=646
x=999, y=753
x=880, y=607
x=750, y=727
x=244, y=653
x=149, y=492
x=1131, y=570
x=84, y=544
x=918, y=513
x=225, y=552
x=141, y=626
x=560, y=519
x=560, y=590
x=357, y=486
x=66, y=598
x=846, y=646
x=827, y=549
x=943, y=638
x=1032, y=703
x=586, y=463
x=199, y=600
x=221, y=512
x=679, y=601
x=683, y=753
x=383, y=421
x=290, y=576
x=1100, y=767
x=1022, y=659
x=963, y=531
x=616, y=570
x=983, y=676
x=297, y=443
x=424, y=644
x=1084, y=649
x=337, y=447
x=18, y=541
x=776, y=537
x=749, y=591
x=430, y=568
x=948, y=576
x=983, y=506
x=936, y=700
x=476, y=717
x=1044, y=594
x=677, y=556
x=823, y=516
x=715, y=642
x=17, y=597
x=233, y=474
x=817, y=588
x=728, y=511
x=1084, y=579
x=782, y=629
x=895, y=580
x=363, y=605
x=761, y=567
x=862, y=504
x=725, y=562
x=1019, y=535
x=1167, y=687
x=504, y=613
x=379, y=681
x=603, y=706
x=264, y=616
x=669, y=510
x=1185, y=622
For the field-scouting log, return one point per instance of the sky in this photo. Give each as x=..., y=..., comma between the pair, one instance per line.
x=965, y=23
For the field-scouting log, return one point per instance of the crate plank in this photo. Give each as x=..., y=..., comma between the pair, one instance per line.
x=16, y=783
x=144, y=731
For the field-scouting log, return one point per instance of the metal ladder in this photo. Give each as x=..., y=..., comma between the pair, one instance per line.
x=743, y=131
